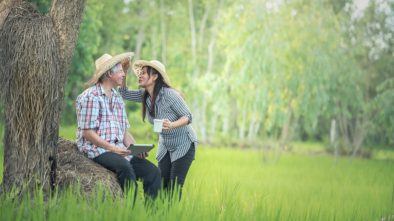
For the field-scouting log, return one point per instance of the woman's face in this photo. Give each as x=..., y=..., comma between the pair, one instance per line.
x=144, y=80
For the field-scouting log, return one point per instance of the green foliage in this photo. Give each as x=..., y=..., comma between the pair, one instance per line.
x=384, y=111
x=42, y=5
x=259, y=67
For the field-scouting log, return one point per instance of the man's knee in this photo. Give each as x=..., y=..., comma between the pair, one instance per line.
x=126, y=171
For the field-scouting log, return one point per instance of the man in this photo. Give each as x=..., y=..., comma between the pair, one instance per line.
x=102, y=126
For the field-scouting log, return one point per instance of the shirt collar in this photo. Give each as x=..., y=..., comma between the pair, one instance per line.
x=101, y=92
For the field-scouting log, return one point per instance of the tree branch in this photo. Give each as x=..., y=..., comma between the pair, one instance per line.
x=66, y=17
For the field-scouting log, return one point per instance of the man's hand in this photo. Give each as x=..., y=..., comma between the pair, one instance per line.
x=120, y=151
x=143, y=155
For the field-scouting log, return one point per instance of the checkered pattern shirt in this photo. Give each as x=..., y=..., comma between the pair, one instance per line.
x=106, y=117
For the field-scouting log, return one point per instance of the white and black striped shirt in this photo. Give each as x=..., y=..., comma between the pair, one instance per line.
x=169, y=104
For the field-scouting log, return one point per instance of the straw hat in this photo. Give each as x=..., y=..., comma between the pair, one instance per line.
x=106, y=62
x=139, y=64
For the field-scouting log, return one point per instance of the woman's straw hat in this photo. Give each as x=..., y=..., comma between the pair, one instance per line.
x=106, y=62
x=139, y=64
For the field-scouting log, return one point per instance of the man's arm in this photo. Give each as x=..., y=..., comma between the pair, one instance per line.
x=93, y=137
x=128, y=139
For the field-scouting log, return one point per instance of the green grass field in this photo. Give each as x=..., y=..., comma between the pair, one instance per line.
x=234, y=184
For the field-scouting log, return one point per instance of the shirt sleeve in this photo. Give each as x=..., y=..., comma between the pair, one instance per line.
x=88, y=112
x=131, y=95
x=179, y=106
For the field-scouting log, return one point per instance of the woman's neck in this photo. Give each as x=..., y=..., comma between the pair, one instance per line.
x=150, y=90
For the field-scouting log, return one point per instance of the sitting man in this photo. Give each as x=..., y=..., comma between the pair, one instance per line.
x=102, y=127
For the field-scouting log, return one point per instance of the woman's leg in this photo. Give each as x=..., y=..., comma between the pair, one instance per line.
x=180, y=168
x=165, y=169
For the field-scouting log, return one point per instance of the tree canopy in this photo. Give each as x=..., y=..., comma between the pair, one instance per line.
x=252, y=70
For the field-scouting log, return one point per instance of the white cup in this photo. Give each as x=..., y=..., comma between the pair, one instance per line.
x=157, y=125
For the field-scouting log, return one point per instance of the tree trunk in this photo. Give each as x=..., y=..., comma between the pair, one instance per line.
x=35, y=52
x=5, y=7
x=286, y=132
x=139, y=42
x=358, y=137
x=154, y=42
x=333, y=137
x=212, y=41
x=163, y=33
x=193, y=34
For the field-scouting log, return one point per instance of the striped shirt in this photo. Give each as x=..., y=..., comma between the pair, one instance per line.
x=106, y=117
x=170, y=105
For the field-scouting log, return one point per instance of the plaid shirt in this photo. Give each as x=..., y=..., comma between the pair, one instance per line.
x=94, y=112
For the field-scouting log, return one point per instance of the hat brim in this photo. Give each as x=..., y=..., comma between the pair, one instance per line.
x=120, y=58
x=139, y=64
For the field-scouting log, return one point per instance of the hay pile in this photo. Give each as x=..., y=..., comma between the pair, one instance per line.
x=74, y=167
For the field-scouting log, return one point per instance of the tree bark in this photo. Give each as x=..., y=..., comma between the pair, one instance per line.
x=35, y=52
x=5, y=7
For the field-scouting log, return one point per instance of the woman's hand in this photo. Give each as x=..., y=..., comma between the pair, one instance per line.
x=167, y=124
x=125, y=66
x=124, y=81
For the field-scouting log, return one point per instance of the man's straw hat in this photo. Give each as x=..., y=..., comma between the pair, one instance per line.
x=106, y=62
x=139, y=64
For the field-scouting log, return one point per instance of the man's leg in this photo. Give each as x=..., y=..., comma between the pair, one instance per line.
x=149, y=173
x=119, y=165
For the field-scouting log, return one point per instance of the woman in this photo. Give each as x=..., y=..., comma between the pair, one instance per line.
x=177, y=141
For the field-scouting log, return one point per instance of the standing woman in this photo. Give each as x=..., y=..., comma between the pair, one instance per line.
x=177, y=141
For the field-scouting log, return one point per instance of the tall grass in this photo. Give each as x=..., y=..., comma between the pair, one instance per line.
x=231, y=184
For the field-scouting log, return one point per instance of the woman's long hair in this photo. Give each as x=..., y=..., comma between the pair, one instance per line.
x=158, y=85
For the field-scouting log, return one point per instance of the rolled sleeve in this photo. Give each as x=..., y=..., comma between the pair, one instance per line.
x=179, y=106
x=88, y=112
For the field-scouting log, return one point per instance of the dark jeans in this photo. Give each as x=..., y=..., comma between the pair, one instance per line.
x=128, y=172
x=175, y=173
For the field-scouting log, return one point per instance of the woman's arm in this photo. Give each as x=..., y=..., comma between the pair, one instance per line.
x=131, y=95
x=167, y=124
x=180, y=108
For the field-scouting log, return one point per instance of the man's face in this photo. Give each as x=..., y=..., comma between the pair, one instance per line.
x=117, y=75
